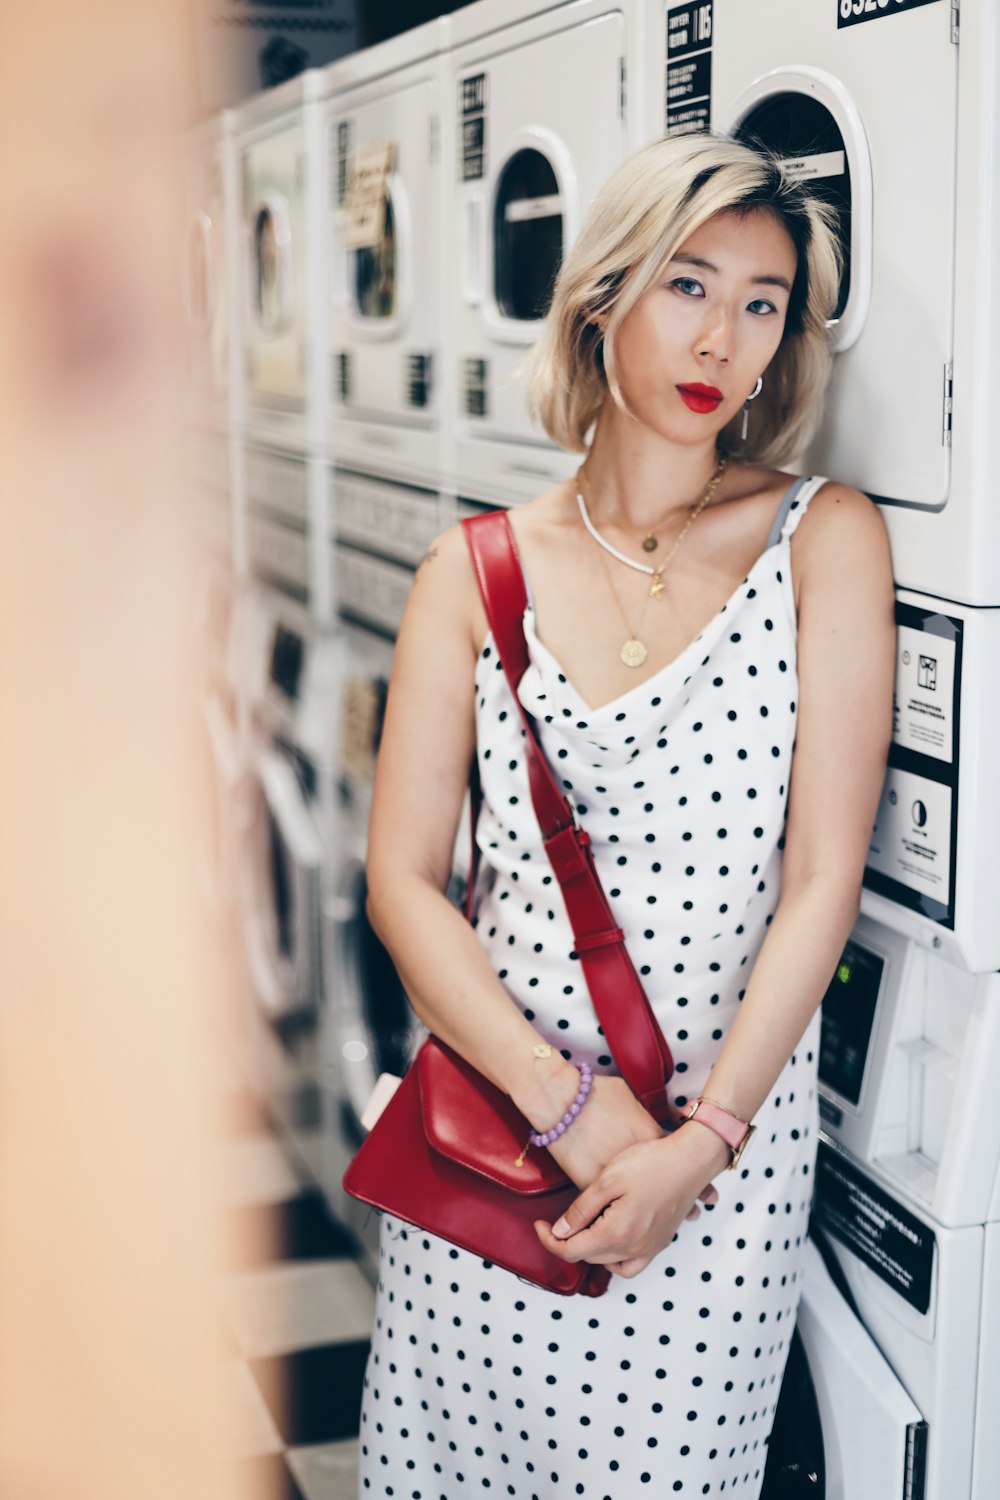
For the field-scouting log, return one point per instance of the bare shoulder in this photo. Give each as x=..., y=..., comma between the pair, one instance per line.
x=841, y=519
x=842, y=543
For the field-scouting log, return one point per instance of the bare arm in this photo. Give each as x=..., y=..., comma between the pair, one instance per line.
x=427, y=743
x=846, y=647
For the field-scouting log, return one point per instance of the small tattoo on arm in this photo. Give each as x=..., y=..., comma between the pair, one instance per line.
x=431, y=552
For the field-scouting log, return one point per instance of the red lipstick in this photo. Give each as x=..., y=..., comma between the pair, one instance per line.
x=701, y=398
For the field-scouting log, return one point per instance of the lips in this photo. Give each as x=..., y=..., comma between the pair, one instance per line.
x=701, y=398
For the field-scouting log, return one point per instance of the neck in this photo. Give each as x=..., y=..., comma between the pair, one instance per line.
x=638, y=479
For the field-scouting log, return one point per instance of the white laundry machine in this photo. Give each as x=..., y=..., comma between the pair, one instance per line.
x=530, y=157
x=293, y=671
x=387, y=108
x=286, y=521
x=281, y=163
x=913, y=170
x=907, y=1199
x=367, y=1025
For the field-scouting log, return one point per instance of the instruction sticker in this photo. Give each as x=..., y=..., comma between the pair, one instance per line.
x=923, y=708
x=366, y=193
x=913, y=854
x=851, y=12
x=911, y=840
x=689, y=68
x=880, y=1231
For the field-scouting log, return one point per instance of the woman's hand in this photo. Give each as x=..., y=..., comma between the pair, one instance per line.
x=634, y=1205
x=611, y=1121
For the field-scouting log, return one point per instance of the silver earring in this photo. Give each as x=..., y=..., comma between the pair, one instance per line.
x=746, y=407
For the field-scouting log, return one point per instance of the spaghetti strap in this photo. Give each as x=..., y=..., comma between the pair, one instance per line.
x=788, y=500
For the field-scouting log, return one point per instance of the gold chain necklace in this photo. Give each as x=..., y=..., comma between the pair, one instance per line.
x=633, y=653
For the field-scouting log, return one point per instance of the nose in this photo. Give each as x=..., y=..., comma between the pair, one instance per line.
x=715, y=336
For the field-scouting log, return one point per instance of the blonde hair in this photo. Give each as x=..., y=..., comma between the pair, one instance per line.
x=638, y=220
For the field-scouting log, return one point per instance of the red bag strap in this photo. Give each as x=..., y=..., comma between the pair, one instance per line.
x=622, y=1005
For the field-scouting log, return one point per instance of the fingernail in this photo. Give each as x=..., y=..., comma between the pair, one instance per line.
x=561, y=1228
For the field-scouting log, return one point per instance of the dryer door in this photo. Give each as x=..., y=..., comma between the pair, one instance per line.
x=281, y=895
x=845, y=1428
x=387, y=318
x=810, y=81
x=533, y=158
x=274, y=257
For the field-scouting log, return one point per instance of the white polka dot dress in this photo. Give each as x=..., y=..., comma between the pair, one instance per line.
x=479, y=1383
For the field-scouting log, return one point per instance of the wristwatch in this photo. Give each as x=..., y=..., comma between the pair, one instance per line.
x=735, y=1132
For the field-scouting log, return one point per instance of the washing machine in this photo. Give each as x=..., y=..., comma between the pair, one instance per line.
x=386, y=112
x=530, y=157
x=292, y=673
x=281, y=163
x=907, y=1197
x=286, y=521
x=913, y=173
x=367, y=1026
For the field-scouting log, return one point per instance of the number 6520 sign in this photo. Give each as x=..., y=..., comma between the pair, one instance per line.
x=850, y=12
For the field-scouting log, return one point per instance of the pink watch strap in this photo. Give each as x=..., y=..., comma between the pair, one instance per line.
x=730, y=1127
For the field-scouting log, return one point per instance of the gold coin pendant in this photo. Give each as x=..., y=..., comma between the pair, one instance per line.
x=633, y=653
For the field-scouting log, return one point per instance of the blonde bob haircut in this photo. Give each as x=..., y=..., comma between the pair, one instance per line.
x=638, y=221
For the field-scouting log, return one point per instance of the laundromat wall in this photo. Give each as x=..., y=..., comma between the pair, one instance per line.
x=370, y=255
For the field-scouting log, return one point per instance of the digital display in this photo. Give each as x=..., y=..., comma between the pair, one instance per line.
x=848, y=1015
x=287, y=653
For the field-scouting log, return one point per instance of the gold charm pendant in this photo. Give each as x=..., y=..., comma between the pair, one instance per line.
x=656, y=586
x=633, y=653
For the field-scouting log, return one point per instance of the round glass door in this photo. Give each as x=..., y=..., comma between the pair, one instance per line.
x=374, y=272
x=271, y=268
x=528, y=216
x=805, y=134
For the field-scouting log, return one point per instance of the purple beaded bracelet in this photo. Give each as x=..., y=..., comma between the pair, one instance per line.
x=548, y=1136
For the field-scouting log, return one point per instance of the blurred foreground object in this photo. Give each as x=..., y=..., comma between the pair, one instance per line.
x=114, y=988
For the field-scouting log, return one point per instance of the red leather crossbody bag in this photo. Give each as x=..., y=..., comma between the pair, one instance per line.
x=443, y=1153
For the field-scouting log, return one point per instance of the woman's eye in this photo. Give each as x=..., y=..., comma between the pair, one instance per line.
x=760, y=302
x=685, y=282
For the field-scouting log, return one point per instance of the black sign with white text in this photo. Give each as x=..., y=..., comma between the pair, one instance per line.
x=689, y=68
x=854, y=1208
x=853, y=12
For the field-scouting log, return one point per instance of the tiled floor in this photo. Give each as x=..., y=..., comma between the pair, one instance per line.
x=298, y=1312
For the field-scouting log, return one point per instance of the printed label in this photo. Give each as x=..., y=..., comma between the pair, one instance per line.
x=472, y=94
x=688, y=104
x=911, y=840
x=913, y=853
x=851, y=12
x=823, y=164
x=366, y=194
x=925, y=691
x=854, y=1208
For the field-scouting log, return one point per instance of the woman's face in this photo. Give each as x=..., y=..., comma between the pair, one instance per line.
x=713, y=317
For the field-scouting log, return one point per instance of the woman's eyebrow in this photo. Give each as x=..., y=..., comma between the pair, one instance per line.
x=706, y=265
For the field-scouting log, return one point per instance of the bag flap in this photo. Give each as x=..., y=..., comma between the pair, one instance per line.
x=475, y=1124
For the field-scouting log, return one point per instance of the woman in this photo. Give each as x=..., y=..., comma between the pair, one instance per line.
x=722, y=725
